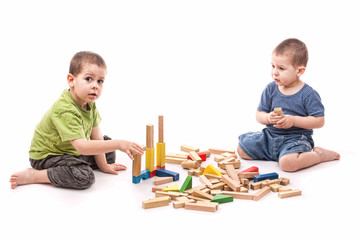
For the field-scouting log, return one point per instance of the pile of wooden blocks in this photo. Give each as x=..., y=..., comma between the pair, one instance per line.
x=219, y=185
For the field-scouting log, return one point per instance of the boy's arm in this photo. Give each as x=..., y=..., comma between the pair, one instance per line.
x=96, y=147
x=288, y=121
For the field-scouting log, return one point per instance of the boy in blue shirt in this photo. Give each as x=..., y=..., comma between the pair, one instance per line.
x=287, y=137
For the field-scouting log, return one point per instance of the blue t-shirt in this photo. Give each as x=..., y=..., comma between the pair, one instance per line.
x=306, y=102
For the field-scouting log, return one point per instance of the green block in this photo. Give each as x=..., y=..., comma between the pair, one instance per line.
x=221, y=198
x=187, y=184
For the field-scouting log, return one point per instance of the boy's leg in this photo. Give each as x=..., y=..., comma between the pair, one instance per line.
x=29, y=176
x=242, y=154
x=296, y=161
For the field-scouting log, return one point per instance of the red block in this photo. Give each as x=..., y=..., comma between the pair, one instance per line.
x=251, y=169
x=202, y=155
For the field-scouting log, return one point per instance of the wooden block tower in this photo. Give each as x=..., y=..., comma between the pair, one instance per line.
x=136, y=169
x=150, y=150
x=160, y=146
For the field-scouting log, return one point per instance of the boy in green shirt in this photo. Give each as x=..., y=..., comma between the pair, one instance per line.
x=67, y=143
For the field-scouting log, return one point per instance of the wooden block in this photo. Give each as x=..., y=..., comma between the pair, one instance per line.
x=200, y=187
x=236, y=163
x=278, y=110
x=166, y=173
x=261, y=193
x=275, y=187
x=187, y=148
x=231, y=183
x=212, y=176
x=284, y=181
x=150, y=159
x=156, y=202
x=172, y=195
x=202, y=207
x=203, y=179
x=162, y=180
x=198, y=198
x=221, y=198
x=198, y=193
x=284, y=189
x=190, y=164
x=248, y=174
x=251, y=169
x=233, y=174
x=291, y=193
x=161, y=129
x=195, y=157
x=160, y=154
x=187, y=184
x=158, y=188
x=180, y=203
x=136, y=166
x=177, y=155
x=219, y=158
x=239, y=195
x=172, y=188
x=269, y=176
x=214, y=192
x=256, y=186
x=220, y=151
x=218, y=186
x=149, y=136
x=212, y=170
x=174, y=160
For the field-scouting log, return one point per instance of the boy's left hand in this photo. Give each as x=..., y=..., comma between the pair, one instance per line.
x=113, y=168
x=287, y=121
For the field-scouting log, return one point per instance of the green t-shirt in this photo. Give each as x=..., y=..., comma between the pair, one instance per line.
x=64, y=121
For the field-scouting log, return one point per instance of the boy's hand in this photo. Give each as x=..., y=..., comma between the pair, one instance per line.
x=273, y=118
x=112, y=168
x=286, y=121
x=130, y=148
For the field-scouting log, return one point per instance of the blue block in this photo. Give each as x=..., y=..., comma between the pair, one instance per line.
x=270, y=176
x=145, y=174
x=166, y=173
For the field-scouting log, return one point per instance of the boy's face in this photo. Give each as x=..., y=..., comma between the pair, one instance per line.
x=283, y=72
x=87, y=86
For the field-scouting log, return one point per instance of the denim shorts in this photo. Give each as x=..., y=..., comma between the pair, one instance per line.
x=267, y=146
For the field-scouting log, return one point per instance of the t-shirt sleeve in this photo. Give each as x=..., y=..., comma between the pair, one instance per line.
x=265, y=101
x=69, y=126
x=314, y=106
x=97, y=118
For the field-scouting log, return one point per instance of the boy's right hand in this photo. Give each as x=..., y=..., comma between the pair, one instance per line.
x=273, y=118
x=130, y=148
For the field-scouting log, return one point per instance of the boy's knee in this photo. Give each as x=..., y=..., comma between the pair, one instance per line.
x=83, y=177
x=287, y=163
x=242, y=154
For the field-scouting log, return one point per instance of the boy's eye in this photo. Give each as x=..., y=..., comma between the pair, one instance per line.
x=101, y=81
x=88, y=79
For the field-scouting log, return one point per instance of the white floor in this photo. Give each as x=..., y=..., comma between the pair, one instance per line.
x=203, y=65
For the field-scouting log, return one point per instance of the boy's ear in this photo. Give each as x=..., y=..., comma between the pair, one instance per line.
x=70, y=80
x=300, y=71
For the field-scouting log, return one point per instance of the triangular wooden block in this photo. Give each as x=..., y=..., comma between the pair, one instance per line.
x=172, y=188
x=187, y=184
x=212, y=170
x=221, y=198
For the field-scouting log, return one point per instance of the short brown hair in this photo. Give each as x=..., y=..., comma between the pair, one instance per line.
x=294, y=48
x=82, y=58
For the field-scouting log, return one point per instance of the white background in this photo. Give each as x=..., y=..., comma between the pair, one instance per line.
x=203, y=65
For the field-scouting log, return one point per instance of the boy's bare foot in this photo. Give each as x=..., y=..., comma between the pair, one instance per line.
x=327, y=155
x=28, y=176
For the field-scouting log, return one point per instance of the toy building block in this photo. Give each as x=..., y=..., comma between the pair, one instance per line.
x=156, y=202
x=251, y=169
x=136, y=166
x=145, y=174
x=235, y=186
x=248, y=174
x=190, y=164
x=279, y=111
x=220, y=151
x=219, y=158
x=172, y=188
x=162, y=180
x=239, y=195
x=291, y=193
x=221, y=198
x=202, y=156
x=269, y=176
x=187, y=184
x=284, y=181
x=180, y=202
x=212, y=170
x=158, y=188
x=166, y=173
x=187, y=148
x=284, y=189
x=174, y=160
x=202, y=206
x=204, y=180
x=172, y=195
x=261, y=193
x=198, y=193
x=177, y=155
x=235, y=162
x=160, y=146
x=233, y=174
x=275, y=187
x=217, y=186
x=150, y=150
x=195, y=157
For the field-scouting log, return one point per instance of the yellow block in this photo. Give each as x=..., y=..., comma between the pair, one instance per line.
x=212, y=170
x=150, y=159
x=160, y=154
x=172, y=188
